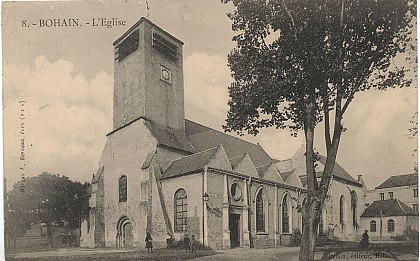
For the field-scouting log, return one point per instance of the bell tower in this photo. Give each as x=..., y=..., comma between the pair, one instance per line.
x=148, y=76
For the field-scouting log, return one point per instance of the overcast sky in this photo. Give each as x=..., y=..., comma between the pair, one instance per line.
x=64, y=75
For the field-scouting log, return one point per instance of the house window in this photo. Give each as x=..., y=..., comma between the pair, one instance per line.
x=391, y=225
x=372, y=226
x=391, y=195
x=342, y=209
x=285, y=215
x=260, y=212
x=122, y=185
x=381, y=196
x=180, y=213
x=415, y=207
x=416, y=193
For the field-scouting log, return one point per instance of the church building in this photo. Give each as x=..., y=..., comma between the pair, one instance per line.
x=161, y=173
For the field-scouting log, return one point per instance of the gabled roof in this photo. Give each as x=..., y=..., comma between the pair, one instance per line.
x=235, y=161
x=285, y=175
x=188, y=164
x=261, y=170
x=169, y=137
x=203, y=138
x=399, y=181
x=338, y=170
x=387, y=208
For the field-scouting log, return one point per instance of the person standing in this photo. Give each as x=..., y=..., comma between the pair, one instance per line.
x=193, y=246
x=149, y=243
x=364, y=243
x=169, y=241
x=187, y=243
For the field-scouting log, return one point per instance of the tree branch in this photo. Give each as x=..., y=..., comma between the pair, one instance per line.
x=354, y=90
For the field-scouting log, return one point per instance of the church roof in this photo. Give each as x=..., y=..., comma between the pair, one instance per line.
x=387, y=208
x=261, y=169
x=399, y=181
x=203, y=138
x=189, y=163
x=338, y=171
x=169, y=137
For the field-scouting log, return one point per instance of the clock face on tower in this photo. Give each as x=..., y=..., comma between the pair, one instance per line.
x=165, y=74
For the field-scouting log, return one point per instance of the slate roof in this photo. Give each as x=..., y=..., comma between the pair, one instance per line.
x=261, y=170
x=203, y=138
x=387, y=208
x=304, y=180
x=189, y=163
x=235, y=161
x=285, y=175
x=338, y=171
x=169, y=137
x=399, y=181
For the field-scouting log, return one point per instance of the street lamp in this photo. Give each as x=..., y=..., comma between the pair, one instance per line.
x=206, y=197
x=205, y=201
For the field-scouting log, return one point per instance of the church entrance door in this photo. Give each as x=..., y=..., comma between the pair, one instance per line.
x=128, y=235
x=234, y=229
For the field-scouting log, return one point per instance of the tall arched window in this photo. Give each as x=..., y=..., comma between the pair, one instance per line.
x=372, y=226
x=259, y=209
x=122, y=189
x=342, y=209
x=285, y=226
x=391, y=225
x=180, y=211
x=354, y=207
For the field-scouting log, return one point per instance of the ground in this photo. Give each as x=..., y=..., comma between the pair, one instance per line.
x=328, y=251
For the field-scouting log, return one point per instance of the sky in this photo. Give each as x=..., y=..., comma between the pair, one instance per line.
x=58, y=90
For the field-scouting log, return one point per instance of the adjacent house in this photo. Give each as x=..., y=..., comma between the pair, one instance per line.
x=402, y=187
x=389, y=219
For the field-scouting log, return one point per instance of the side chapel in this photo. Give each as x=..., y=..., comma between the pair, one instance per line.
x=161, y=173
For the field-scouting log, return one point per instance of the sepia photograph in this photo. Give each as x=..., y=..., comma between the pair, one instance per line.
x=210, y=130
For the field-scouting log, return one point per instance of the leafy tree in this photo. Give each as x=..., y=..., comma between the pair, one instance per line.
x=321, y=55
x=46, y=198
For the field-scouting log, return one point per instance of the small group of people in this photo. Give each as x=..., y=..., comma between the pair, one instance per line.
x=190, y=245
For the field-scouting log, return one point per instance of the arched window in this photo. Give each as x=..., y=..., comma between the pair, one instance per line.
x=122, y=188
x=260, y=212
x=342, y=209
x=391, y=225
x=285, y=226
x=354, y=207
x=180, y=212
x=372, y=226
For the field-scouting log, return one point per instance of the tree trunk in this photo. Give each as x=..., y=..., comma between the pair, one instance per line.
x=310, y=210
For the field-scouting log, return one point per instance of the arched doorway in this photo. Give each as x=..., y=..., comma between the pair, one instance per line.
x=124, y=232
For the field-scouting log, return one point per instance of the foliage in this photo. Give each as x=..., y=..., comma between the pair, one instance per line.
x=311, y=56
x=46, y=198
x=299, y=63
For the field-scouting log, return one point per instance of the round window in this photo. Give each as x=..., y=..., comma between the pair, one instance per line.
x=235, y=191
